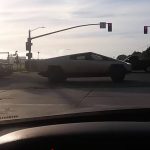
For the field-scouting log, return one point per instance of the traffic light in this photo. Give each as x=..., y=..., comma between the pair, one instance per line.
x=109, y=27
x=102, y=25
x=28, y=46
x=29, y=55
x=145, y=29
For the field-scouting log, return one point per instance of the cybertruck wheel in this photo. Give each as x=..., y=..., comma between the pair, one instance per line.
x=55, y=74
x=117, y=73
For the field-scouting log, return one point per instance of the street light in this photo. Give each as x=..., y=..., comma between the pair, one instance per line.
x=34, y=30
x=37, y=28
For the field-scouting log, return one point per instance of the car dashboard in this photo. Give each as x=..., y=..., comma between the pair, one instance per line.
x=85, y=135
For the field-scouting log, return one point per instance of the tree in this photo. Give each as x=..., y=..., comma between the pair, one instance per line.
x=146, y=53
x=122, y=57
x=138, y=54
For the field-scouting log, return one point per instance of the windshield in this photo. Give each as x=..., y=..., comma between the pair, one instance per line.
x=65, y=56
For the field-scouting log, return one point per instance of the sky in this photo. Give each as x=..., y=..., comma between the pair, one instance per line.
x=127, y=16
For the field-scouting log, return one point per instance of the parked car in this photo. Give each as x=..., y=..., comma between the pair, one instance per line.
x=82, y=65
x=139, y=64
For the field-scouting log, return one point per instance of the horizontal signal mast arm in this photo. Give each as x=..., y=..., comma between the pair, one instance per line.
x=64, y=30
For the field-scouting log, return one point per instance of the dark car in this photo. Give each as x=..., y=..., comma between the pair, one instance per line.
x=139, y=63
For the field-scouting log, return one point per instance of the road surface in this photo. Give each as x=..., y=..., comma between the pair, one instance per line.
x=27, y=94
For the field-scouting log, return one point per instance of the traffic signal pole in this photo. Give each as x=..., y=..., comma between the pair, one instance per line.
x=63, y=30
x=28, y=46
x=29, y=40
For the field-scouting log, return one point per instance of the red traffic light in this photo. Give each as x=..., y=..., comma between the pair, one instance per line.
x=109, y=27
x=145, y=29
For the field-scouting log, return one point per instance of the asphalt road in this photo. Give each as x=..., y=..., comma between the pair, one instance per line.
x=27, y=94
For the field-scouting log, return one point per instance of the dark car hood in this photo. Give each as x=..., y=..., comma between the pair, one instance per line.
x=24, y=112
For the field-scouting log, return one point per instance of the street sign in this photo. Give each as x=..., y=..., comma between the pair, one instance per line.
x=102, y=25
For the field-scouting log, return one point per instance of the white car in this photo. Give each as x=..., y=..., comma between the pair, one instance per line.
x=83, y=65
